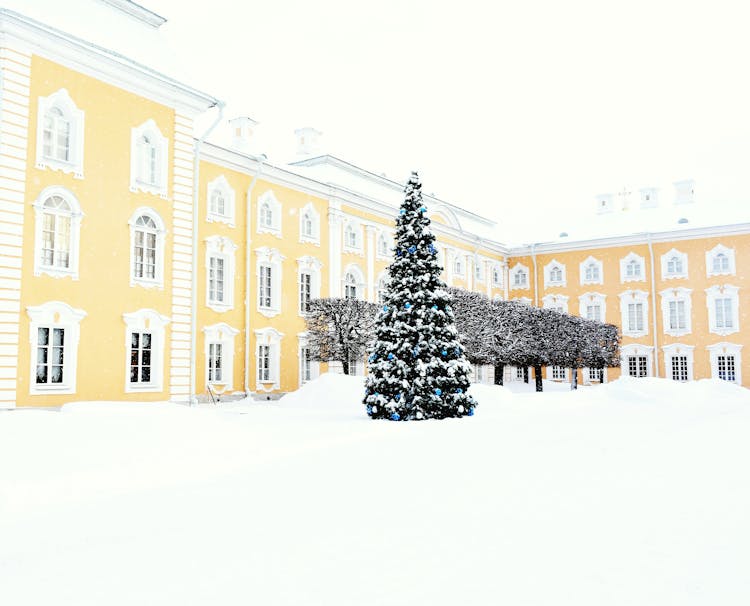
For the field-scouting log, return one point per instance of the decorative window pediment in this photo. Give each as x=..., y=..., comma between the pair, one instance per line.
x=554, y=274
x=220, y=201
x=632, y=268
x=720, y=261
x=309, y=224
x=556, y=302
x=149, y=160
x=676, y=310
x=57, y=230
x=674, y=264
x=634, y=312
x=519, y=277
x=592, y=271
x=59, y=139
x=220, y=264
x=593, y=306
x=147, y=233
x=269, y=214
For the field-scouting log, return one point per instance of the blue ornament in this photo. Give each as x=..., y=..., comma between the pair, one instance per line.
x=390, y=356
x=407, y=305
x=445, y=353
x=432, y=249
x=434, y=307
x=398, y=252
x=471, y=412
x=395, y=417
x=376, y=394
x=398, y=397
x=438, y=391
x=373, y=357
x=369, y=410
x=459, y=390
x=415, y=352
x=448, y=308
x=385, y=308
x=402, y=211
x=412, y=249
x=422, y=209
x=458, y=351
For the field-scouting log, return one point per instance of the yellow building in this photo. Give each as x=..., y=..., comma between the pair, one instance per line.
x=140, y=263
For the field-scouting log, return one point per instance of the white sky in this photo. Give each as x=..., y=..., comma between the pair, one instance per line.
x=504, y=107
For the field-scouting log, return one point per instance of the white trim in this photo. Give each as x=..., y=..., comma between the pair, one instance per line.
x=519, y=268
x=725, y=291
x=55, y=314
x=634, y=297
x=75, y=117
x=678, y=350
x=633, y=350
x=221, y=185
x=75, y=215
x=223, y=248
x=724, y=348
x=712, y=254
x=160, y=184
x=676, y=295
x=590, y=260
x=353, y=227
x=591, y=299
x=223, y=334
x=555, y=369
x=548, y=282
x=556, y=302
x=359, y=281
x=272, y=338
x=587, y=380
x=269, y=257
x=153, y=322
x=678, y=256
x=314, y=237
x=625, y=261
x=263, y=226
x=161, y=232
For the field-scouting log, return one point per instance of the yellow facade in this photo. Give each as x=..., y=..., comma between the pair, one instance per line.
x=241, y=285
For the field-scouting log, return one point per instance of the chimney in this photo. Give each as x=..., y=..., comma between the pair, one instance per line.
x=684, y=191
x=242, y=132
x=308, y=141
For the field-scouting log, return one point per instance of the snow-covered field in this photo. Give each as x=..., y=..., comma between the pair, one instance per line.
x=633, y=493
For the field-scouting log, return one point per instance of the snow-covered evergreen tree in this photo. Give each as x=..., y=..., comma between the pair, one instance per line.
x=418, y=368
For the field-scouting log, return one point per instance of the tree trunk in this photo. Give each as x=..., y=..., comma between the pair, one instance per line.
x=525, y=374
x=604, y=377
x=345, y=365
x=538, y=377
x=499, y=371
x=574, y=378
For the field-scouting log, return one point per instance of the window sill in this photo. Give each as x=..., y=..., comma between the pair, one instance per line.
x=309, y=240
x=269, y=312
x=42, y=390
x=147, y=283
x=55, y=273
x=214, y=218
x=149, y=188
x=66, y=167
x=723, y=331
x=145, y=388
x=264, y=229
x=674, y=277
x=219, y=307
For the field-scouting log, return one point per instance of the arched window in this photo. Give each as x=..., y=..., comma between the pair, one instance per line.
x=266, y=215
x=592, y=272
x=381, y=291
x=458, y=266
x=56, y=135
x=307, y=225
x=350, y=237
x=218, y=203
x=555, y=274
x=58, y=219
x=721, y=263
x=633, y=269
x=674, y=265
x=383, y=246
x=146, y=248
x=496, y=275
x=149, y=156
x=350, y=286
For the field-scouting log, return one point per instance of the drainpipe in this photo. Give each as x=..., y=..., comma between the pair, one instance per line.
x=260, y=159
x=536, y=290
x=653, y=304
x=194, y=278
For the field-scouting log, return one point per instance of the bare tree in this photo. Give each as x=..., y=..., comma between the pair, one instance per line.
x=339, y=329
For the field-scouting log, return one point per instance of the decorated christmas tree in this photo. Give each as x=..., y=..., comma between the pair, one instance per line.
x=418, y=368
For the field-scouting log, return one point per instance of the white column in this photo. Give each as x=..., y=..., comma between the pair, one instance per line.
x=15, y=74
x=506, y=274
x=335, y=218
x=371, y=234
x=181, y=259
x=488, y=278
x=469, y=266
x=448, y=255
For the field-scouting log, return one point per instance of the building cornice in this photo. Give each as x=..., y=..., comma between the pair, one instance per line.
x=27, y=34
x=141, y=13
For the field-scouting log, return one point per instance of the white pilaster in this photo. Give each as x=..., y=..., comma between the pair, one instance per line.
x=182, y=258
x=371, y=234
x=15, y=75
x=335, y=218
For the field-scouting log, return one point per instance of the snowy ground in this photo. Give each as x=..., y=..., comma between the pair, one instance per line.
x=633, y=493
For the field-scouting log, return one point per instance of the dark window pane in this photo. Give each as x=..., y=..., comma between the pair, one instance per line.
x=146, y=374
x=43, y=336
x=146, y=357
x=41, y=355
x=133, y=374
x=146, y=340
x=56, y=374
x=134, y=340
x=59, y=336
x=41, y=374
x=57, y=356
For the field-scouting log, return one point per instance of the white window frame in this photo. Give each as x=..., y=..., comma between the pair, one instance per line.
x=221, y=248
x=55, y=314
x=62, y=101
x=359, y=281
x=519, y=268
x=274, y=228
x=75, y=215
x=497, y=275
x=459, y=265
x=548, y=270
x=711, y=256
x=677, y=350
x=668, y=258
x=626, y=298
x=161, y=232
x=311, y=266
x=224, y=335
x=676, y=295
x=353, y=228
x=221, y=186
x=723, y=349
x=313, y=215
x=590, y=299
x=146, y=320
x=725, y=291
x=583, y=267
x=314, y=366
x=381, y=287
x=160, y=186
x=556, y=302
x=625, y=261
x=479, y=269
x=269, y=257
x=635, y=350
x=556, y=371
x=384, y=245
x=587, y=375
x=522, y=300
x=271, y=338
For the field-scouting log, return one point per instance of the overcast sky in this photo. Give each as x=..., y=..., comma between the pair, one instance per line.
x=504, y=107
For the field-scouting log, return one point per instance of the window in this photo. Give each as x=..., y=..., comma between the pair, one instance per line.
x=726, y=368
x=723, y=309
x=268, y=348
x=519, y=373
x=59, y=143
x=726, y=362
x=50, y=357
x=559, y=373
x=676, y=311
x=268, y=271
x=305, y=362
x=478, y=270
x=497, y=276
x=220, y=273
x=592, y=271
x=264, y=363
x=57, y=232
x=383, y=246
x=678, y=361
x=594, y=312
x=637, y=366
x=554, y=274
x=221, y=201
x=720, y=261
x=674, y=264
x=146, y=248
x=632, y=268
x=382, y=288
x=305, y=291
x=677, y=315
x=679, y=366
x=519, y=276
x=309, y=224
x=634, y=310
x=596, y=375
x=350, y=286
x=219, y=356
x=458, y=266
x=353, y=282
x=144, y=339
x=556, y=302
x=269, y=214
x=149, y=160
x=352, y=236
